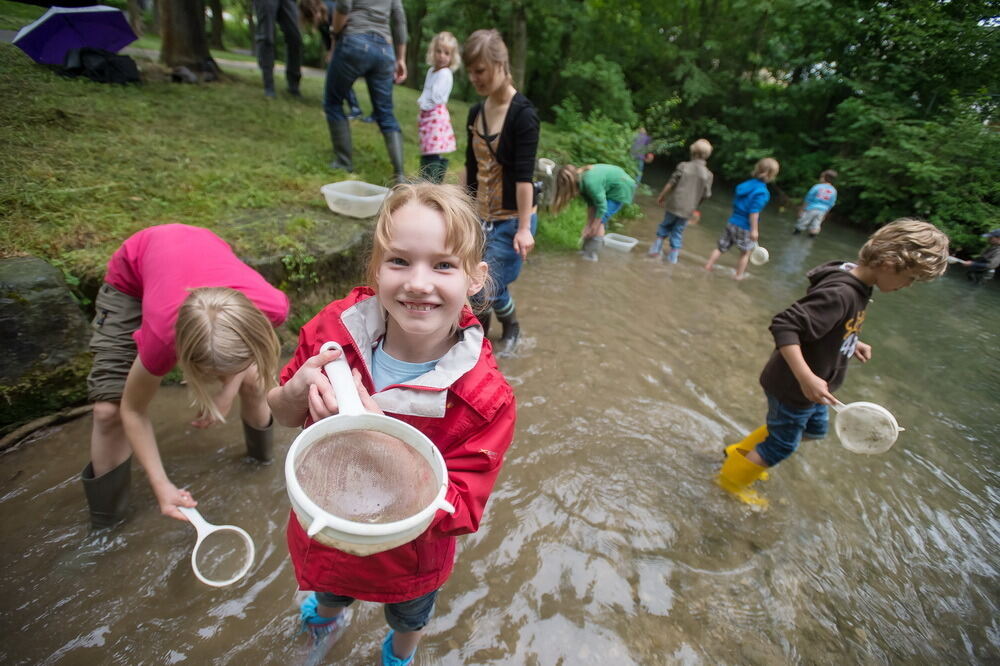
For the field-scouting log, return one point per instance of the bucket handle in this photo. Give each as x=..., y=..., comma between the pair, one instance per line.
x=445, y=505
x=339, y=373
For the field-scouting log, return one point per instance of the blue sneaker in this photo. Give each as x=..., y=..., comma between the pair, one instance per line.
x=672, y=256
x=322, y=629
x=388, y=658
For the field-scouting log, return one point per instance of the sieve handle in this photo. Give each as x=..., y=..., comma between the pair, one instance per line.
x=339, y=373
x=837, y=405
x=445, y=505
x=201, y=526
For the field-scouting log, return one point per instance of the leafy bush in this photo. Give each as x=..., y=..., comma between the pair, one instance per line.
x=663, y=124
x=599, y=87
x=592, y=139
x=892, y=166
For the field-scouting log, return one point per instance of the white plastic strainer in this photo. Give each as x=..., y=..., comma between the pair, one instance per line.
x=218, y=548
x=865, y=427
x=363, y=477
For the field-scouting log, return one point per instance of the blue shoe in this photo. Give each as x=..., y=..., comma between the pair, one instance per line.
x=355, y=113
x=656, y=247
x=322, y=629
x=672, y=256
x=368, y=119
x=388, y=658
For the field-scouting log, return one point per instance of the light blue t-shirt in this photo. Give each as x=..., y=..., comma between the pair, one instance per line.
x=387, y=370
x=751, y=197
x=821, y=197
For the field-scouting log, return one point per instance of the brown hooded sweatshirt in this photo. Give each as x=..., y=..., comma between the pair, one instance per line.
x=826, y=323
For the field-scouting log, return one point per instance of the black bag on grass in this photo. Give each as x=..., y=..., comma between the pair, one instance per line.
x=100, y=65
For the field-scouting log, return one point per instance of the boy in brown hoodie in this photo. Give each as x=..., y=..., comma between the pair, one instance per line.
x=814, y=339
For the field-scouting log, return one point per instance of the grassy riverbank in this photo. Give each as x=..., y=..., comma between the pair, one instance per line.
x=87, y=164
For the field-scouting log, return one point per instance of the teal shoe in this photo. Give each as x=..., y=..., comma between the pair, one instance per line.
x=388, y=658
x=322, y=629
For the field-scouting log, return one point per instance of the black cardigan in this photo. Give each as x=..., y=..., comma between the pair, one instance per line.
x=515, y=151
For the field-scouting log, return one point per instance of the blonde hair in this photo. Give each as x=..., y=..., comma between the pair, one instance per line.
x=220, y=332
x=463, y=235
x=766, y=169
x=448, y=40
x=701, y=149
x=908, y=244
x=488, y=47
x=567, y=186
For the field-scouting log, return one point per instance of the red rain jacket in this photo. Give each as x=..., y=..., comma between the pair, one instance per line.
x=473, y=435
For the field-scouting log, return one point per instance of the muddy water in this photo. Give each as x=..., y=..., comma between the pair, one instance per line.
x=605, y=541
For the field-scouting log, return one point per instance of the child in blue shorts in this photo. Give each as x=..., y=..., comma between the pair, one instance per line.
x=814, y=339
x=743, y=227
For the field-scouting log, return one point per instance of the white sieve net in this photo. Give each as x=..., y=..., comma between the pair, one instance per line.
x=864, y=429
x=366, y=476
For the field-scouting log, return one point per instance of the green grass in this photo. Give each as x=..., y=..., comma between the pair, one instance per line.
x=85, y=164
x=15, y=15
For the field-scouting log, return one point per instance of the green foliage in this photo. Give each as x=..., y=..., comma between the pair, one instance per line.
x=598, y=87
x=663, y=124
x=944, y=172
x=562, y=231
x=591, y=139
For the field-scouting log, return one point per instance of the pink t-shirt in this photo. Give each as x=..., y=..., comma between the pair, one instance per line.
x=159, y=266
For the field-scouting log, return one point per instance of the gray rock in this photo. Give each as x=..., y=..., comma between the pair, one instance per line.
x=44, y=358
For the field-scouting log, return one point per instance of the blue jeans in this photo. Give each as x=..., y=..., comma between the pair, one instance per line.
x=412, y=615
x=786, y=427
x=355, y=56
x=673, y=227
x=613, y=207
x=503, y=260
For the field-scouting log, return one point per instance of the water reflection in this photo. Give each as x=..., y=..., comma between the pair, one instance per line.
x=605, y=541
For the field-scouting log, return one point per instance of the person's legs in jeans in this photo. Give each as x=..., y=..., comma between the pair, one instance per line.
x=504, y=266
x=266, y=12
x=785, y=426
x=380, y=67
x=344, y=68
x=288, y=19
x=407, y=620
x=818, y=424
x=352, y=104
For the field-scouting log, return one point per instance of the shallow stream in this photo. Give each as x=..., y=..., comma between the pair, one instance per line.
x=606, y=541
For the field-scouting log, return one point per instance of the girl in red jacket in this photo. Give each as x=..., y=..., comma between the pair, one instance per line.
x=419, y=355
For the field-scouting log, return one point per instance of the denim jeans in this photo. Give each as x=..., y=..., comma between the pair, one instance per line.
x=503, y=260
x=673, y=227
x=368, y=56
x=786, y=426
x=284, y=13
x=613, y=207
x=411, y=615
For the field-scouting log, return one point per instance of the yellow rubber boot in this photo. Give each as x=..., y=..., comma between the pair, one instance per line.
x=737, y=474
x=747, y=444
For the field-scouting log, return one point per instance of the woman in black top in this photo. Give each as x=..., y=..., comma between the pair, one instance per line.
x=499, y=166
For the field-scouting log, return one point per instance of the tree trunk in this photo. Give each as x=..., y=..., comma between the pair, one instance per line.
x=218, y=24
x=135, y=17
x=182, y=26
x=518, y=45
x=416, y=10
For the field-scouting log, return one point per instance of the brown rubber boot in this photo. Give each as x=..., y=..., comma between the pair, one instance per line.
x=259, y=441
x=108, y=494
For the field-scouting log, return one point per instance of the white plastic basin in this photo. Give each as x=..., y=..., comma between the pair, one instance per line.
x=619, y=242
x=355, y=198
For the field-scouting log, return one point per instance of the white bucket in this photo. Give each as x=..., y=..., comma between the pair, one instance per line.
x=619, y=242
x=350, y=536
x=355, y=198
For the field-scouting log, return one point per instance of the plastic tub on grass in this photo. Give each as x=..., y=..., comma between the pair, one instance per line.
x=355, y=198
x=619, y=242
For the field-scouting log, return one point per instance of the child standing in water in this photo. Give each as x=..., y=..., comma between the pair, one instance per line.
x=688, y=186
x=605, y=188
x=420, y=353
x=175, y=294
x=820, y=198
x=743, y=228
x=815, y=338
x=437, y=137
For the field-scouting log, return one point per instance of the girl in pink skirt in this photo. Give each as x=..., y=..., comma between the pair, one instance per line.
x=437, y=137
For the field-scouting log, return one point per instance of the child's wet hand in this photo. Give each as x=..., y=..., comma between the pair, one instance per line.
x=169, y=497
x=863, y=352
x=322, y=401
x=366, y=400
x=816, y=390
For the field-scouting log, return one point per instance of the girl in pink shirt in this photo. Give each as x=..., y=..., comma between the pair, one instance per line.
x=175, y=294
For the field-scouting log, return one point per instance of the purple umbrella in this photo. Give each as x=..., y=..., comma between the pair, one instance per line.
x=61, y=29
